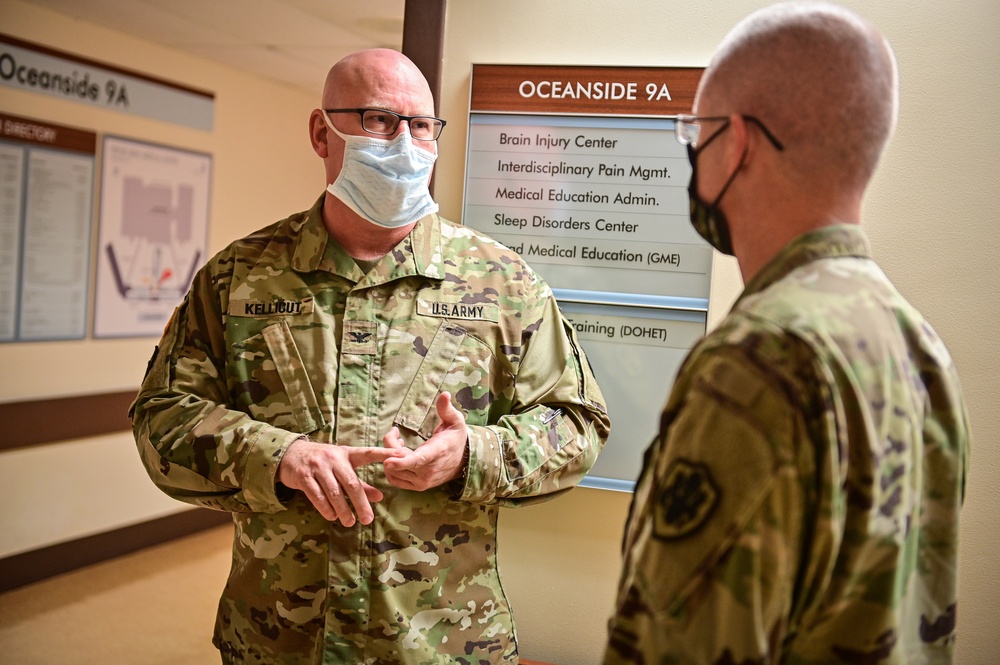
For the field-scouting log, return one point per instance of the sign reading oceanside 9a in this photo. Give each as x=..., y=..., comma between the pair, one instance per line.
x=577, y=169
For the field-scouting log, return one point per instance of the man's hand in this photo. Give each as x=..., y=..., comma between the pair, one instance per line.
x=437, y=460
x=326, y=475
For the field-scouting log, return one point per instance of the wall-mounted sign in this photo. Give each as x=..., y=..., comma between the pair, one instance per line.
x=635, y=352
x=36, y=68
x=577, y=169
x=584, y=90
x=588, y=200
x=46, y=202
x=153, y=233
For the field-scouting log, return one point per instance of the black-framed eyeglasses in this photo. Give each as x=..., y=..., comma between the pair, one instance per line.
x=688, y=128
x=383, y=123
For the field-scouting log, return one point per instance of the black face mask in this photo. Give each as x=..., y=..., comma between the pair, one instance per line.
x=708, y=220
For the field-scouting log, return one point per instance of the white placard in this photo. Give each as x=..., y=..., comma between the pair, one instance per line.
x=41, y=69
x=11, y=198
x=153, y=230
x=46, y=222
x=635, y=353
x=591, y=203
x=56, y=263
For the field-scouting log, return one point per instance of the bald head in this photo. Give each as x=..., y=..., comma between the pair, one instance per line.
x=380, y=76
x=823, y=81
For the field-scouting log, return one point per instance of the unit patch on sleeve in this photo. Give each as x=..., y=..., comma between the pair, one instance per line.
x=685, y=499
x=481, y=311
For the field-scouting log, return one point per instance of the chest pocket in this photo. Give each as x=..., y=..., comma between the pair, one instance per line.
x=417, y=411
x=273, y=383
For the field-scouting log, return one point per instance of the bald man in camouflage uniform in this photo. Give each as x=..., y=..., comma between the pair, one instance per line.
x=800, y=503
x=363, y=397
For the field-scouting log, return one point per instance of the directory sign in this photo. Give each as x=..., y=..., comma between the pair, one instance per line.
x=635, y=353
x=600, y=202
x=46, y=201
x=577, y=169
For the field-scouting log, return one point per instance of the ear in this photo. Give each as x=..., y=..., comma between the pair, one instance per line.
x=318, y=133
x=739, y=144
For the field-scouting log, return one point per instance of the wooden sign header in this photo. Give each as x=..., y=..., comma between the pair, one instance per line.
x=583, y=90
x=44, y=133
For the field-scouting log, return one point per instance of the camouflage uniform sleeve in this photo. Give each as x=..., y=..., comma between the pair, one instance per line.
x=557, y=422
x=716, y=529
x=195, y=448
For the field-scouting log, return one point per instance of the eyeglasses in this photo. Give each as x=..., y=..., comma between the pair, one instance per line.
x=688, y=127
x=383, y=123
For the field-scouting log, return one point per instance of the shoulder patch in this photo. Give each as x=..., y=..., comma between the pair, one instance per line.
x=685, y=499
x=482, y=311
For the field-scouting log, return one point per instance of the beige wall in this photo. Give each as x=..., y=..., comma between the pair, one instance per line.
x=262, y=169
x=931, y=215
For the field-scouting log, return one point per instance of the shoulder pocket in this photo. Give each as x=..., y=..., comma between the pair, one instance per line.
x=273, y=384
x=417, y=410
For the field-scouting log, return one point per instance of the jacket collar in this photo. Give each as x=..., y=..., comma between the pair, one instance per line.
x=828, y=242
x=419, y=253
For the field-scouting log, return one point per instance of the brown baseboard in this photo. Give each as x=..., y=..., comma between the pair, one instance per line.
x=35, y=565
x=41, y=421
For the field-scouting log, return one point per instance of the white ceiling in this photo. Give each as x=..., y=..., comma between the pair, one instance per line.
x=292, y=41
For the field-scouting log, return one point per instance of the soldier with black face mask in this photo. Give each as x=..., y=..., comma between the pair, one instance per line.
x=800, y=503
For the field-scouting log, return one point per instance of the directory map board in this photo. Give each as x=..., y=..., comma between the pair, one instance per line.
x=577, y=169
x=152, y=236
x=46, y=202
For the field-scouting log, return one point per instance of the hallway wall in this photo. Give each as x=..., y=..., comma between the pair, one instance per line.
x=931, y=217
x=263, y=168
x=930, y=214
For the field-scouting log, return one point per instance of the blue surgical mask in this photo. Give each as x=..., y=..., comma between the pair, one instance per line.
x=384, y=181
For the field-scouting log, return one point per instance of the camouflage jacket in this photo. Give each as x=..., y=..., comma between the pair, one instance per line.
x=282, y=335
x=800, y=503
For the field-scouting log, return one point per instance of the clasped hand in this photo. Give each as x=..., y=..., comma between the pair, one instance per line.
x=327, y=474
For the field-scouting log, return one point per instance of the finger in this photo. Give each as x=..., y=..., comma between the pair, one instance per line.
x=393, y=468
x=409, y=463
x=317, y=497
x=353, y=489
x=401, y=480
x=393, y=440
x=451, y=418
x=374, y=494
x=338, y=500
x=358, y=457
